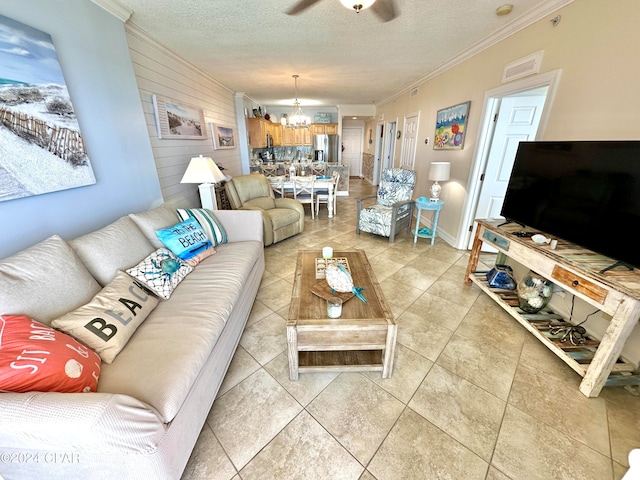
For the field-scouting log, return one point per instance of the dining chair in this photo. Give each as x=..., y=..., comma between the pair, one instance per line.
x=269, y=170
x=303, y=191
x=277, y=185
x=319, y=168
x=322, y=196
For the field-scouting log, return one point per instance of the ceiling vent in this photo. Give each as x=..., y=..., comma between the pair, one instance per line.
x=413, y=92
x=523, y=67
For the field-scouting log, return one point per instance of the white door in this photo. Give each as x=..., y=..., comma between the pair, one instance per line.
x=352, y=153
x=379, y=153
x=517, y=121
x=389, y=147
x=409, y=140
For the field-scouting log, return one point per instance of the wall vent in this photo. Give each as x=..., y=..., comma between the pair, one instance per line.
x=523, y=67
x=413, y=92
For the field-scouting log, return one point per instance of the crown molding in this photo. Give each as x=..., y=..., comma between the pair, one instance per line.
x=135, y=31
x=537, y=13
x=114, y=8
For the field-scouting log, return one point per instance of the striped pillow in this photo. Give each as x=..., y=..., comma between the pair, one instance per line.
x=209, y=223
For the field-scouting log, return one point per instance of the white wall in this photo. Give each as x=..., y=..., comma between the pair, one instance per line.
x=159, y=71
x=94, y=57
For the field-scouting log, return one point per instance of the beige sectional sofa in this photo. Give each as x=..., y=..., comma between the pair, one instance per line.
x=153, y=399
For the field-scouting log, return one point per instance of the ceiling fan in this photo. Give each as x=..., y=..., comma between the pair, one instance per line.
x=384, y=9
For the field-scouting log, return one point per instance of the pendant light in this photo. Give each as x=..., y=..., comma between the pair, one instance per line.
x=357, y=5
x=297, y=119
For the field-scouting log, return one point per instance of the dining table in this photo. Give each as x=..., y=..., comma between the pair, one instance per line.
x=322, y=183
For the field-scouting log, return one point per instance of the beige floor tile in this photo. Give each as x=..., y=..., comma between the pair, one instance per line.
x=399, y=293
x=528, y=449
x=357, y=412
x=421, y=335
x=414, y=277
x=502, y=333
x=266, y=339
x=242, y=365
x=208, y=460
x=367, y=476
x=559, y=403
x=536, y=354
x=455, y=291
x=308, y=385
x=495, y=474
x=303, y=450
x=258, y=312
x=624, y=428
x=431, y=265
x=439, y=310
x=409, y=370
x=248, y=416
x=464, y=411
x=480, y=364
x=416, y=449
x=275, y=295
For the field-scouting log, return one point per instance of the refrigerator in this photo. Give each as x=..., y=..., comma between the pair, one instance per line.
x=329, y=145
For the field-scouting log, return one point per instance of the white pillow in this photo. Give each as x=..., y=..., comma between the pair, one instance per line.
x=106, y=323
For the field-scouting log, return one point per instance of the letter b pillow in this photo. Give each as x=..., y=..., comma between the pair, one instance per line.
x=107, y=322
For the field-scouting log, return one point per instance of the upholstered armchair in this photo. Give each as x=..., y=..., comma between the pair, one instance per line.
x=393, y=209
x=281, y=217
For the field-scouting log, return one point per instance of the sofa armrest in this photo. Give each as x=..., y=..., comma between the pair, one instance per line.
x=241, y=225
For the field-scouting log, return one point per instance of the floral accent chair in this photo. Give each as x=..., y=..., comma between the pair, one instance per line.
x=394, y=207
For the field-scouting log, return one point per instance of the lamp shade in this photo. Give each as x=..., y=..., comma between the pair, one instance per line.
x=439, y=171
x=202, y=170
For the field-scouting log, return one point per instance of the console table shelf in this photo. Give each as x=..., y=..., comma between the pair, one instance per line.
x=577, y=271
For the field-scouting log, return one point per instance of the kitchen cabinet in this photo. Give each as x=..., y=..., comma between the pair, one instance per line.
x=258, y=129
x=296, y=136
x=323, y=128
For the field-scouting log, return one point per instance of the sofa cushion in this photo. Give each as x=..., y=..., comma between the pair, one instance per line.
x=45, y=281
x=281, y=217
x=151, y=220
x=54, y=361
x=185, y=239
x=115, y=247
x=208, y=221
x=179, y=335
x=161, y=272
x=265, y=203
x=107, y=322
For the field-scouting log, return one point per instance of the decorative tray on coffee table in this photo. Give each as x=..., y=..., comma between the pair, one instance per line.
x=321, y=265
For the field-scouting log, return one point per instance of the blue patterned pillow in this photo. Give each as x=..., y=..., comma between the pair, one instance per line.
x=186, y=239
x=392, y=192
x=209, y=223
x=161, y=272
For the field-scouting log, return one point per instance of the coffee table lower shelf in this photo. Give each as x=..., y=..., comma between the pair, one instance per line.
x=341, y=361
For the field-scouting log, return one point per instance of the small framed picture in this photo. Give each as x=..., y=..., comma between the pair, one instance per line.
x=451, y=127
x=178, y=120
x=223, y=136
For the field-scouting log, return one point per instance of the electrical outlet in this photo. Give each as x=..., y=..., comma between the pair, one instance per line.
x=426, y=141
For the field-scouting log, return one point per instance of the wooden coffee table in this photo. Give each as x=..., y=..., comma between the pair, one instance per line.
x=362, y=339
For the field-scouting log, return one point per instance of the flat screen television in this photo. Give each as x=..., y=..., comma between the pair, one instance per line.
x=585, y=192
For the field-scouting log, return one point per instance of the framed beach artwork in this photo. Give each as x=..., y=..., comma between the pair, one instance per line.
x=179, y=120
x=41, y=147
x=223, y=137
x=451, y=127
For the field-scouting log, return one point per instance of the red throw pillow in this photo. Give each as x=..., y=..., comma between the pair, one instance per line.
x=34, y=357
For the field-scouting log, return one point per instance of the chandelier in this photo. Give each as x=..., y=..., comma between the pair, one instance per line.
x=297, y=119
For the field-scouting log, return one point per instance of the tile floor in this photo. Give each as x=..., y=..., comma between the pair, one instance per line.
x=473, y=394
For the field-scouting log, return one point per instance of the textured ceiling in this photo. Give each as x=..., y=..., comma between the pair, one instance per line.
x=253, y=46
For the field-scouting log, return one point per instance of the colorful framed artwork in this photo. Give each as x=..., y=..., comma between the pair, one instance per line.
x=178, y=120
x=223, y=137
x=41, y=147
x=451, y=127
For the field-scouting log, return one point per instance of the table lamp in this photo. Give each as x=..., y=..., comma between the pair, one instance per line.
x=438, y=172
x=204, y=171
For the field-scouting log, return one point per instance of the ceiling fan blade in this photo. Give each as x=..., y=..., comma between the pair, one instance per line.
x=300, y=6
x=384, y=9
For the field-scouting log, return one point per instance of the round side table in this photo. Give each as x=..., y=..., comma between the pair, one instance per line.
x=423, y=203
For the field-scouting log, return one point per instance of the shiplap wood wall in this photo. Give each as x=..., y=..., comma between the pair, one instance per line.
x=161, y=72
